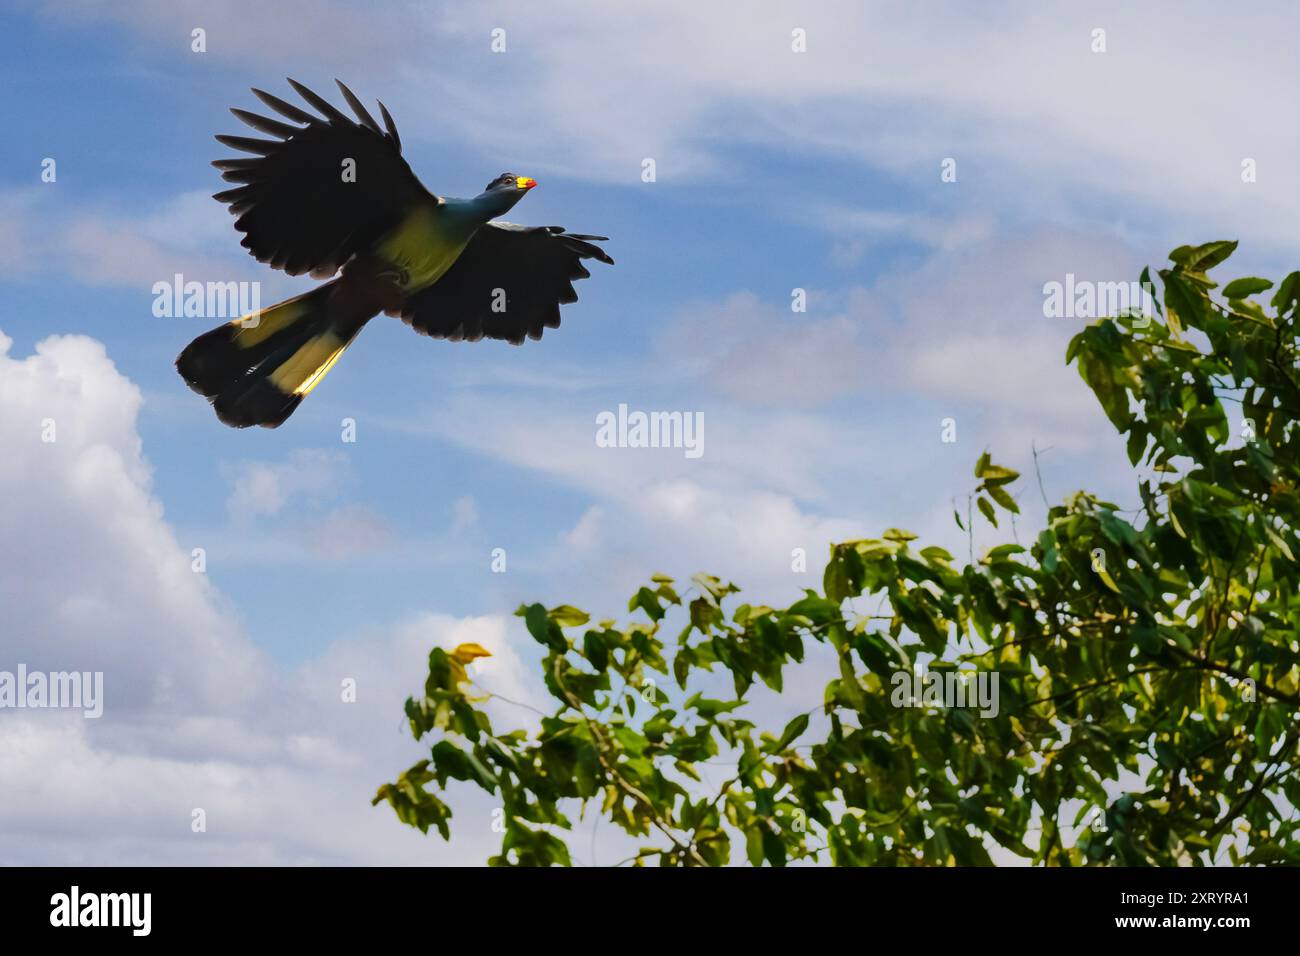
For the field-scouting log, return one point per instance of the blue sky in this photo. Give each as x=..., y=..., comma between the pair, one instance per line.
x=776, y=170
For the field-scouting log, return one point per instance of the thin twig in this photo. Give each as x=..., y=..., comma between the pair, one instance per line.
x=1038, y=471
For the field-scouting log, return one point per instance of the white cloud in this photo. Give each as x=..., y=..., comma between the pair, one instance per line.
x=585, y=536
x=105, y=251
x=966, y=332
x=1035, y=119
x=194, y=716
x=963, y=331
x=189, y=220
x=188, y=235
x=346, y=532
x=1016, y=96
x=289, y=31
x=759, y=491
x=766, y=354
x=858, y=232
x=264, y=488
x=95, y=547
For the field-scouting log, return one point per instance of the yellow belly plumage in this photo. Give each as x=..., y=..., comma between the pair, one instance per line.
x=424, y=246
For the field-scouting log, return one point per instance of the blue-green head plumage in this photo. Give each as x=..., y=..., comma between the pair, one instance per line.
x=500, y=195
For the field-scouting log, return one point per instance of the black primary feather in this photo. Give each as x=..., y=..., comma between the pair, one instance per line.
x=296, y=209
x=534, y=266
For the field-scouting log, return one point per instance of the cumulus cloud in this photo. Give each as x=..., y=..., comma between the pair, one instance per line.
x=96, y=550
x=265, y=488
x=195, y=717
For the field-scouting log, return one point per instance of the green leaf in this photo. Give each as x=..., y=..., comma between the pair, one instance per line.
x=543, y=630
x=568, y=616
x=1107, y=579
x=1147, y=637
x=1183, y=305
x=1048, y=549
x=595, y=649
x=1279, y=542
x=538, y=623
x=791, y=732
x=648, y=601
x=710, y=708
x=1240, y=288
x=1004, y=551
x=1287, y=294
x=999, y=494
x=996, y=474
x=1204, y=257
x=773, y=848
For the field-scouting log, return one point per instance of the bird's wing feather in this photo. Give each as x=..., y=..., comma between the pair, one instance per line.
x=295, y=208
x=534, y=266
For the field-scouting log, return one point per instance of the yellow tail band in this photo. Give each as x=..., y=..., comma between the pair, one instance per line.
x=307, y=366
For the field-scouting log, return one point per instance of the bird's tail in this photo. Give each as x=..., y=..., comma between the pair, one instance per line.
x=256, y=369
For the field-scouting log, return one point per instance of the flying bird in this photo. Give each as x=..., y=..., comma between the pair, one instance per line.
x=332, y=196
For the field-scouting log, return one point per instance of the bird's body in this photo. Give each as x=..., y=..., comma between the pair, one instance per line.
x=428, y=241
x=334, y=198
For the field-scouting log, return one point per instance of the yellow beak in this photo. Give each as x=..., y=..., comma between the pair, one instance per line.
x=523, y=182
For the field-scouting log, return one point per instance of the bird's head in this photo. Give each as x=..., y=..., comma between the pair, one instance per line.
x=503, y=192
x=509, y=182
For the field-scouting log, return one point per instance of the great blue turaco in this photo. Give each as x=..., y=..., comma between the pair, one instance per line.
x=333, y=197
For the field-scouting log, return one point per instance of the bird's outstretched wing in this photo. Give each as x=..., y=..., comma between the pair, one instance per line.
x=301, y=205
x=533, y=267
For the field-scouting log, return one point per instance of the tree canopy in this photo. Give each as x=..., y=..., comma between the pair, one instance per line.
x=1147, y=658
